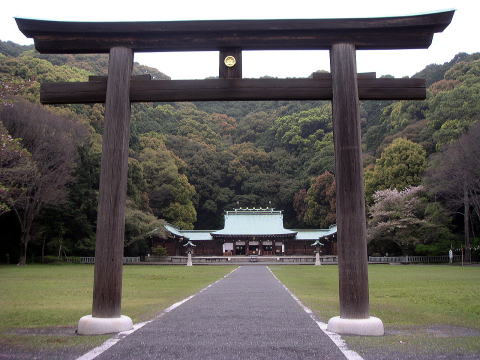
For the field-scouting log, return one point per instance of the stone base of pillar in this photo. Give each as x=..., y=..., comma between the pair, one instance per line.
x=189, y=260
x=317, y=260
x=371, y=326
x=89, y=325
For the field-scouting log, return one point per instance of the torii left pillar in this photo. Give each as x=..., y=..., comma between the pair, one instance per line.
x=107, y=290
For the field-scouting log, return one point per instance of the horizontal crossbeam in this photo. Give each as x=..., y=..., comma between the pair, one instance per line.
x=232, y=90
x=401, y=32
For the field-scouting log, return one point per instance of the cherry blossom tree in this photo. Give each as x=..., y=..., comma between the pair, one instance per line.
x=406, y=218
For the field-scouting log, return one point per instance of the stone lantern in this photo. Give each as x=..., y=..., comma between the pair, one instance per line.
x=317, y=245
x=189, y=248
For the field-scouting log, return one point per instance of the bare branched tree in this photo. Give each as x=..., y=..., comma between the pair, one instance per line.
x=51, y=140
x=454, y=174
x=16, y=166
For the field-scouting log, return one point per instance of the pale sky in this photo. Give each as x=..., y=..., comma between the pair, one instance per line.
x=458, y=37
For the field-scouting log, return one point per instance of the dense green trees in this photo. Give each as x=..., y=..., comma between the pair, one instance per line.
x=309, y=135
x=316, y=206
x=304, y=130
x=401, y=165
x=453, y=109
x=170, y=195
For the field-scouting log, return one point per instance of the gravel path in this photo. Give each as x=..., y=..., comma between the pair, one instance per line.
x=247, y=315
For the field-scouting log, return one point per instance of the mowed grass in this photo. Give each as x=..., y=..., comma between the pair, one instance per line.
x=55, y=296
x=421, y=306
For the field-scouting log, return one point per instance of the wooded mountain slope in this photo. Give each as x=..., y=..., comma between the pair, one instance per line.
x=189, y=162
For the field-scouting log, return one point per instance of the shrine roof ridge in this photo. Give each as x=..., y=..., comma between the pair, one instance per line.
x=399, y=32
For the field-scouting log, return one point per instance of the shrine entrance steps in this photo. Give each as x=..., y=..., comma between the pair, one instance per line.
x=246, y=315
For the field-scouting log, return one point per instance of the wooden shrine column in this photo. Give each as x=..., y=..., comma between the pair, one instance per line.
x=351, y=221
x=107, y=290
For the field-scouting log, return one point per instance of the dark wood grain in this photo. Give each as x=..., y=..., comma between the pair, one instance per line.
x=327, y=75
x=30, y=27
x=107, y=291
x=351, y=221
x=143, y=77
x=367, y=40
x=403, y=32
x=232, y=89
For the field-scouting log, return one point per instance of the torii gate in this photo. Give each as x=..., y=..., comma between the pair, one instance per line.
x=344, y=87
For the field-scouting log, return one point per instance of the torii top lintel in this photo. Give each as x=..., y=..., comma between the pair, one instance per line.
x=403, y=32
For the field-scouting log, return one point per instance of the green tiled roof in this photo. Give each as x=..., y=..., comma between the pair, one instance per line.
x=173, y=230
x=253, y=222
x=197, y=234
x=314, y=234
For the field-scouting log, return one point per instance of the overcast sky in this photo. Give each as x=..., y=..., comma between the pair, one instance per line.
x=458, y=37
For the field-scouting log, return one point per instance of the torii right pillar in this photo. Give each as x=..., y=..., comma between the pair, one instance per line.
x=351, y=219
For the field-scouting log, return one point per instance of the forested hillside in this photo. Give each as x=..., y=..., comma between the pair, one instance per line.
x=189, y=162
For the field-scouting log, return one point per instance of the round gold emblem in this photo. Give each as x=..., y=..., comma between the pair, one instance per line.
x=229, y=61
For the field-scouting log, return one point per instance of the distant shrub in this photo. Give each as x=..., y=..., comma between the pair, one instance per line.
x=51, y=259
x=159, y=250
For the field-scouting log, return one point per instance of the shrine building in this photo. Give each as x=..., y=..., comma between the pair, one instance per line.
x=250, y=232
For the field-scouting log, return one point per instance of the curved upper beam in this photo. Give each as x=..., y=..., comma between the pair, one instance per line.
x=403, y=32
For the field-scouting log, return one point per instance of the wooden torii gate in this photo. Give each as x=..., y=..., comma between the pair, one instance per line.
x=342, y=37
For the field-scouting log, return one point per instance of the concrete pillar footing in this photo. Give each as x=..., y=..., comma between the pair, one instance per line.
x=89, y=325
x=371, y=326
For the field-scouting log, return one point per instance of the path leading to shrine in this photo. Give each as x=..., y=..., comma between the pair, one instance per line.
x=246, y=315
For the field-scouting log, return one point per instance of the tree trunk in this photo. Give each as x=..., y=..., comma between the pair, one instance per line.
x=43, y=249
x=25, y=220
x=23, y=249
x=466, y=227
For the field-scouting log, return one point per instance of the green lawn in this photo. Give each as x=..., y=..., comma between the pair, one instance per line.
x=37, y=300
x=423, y=307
